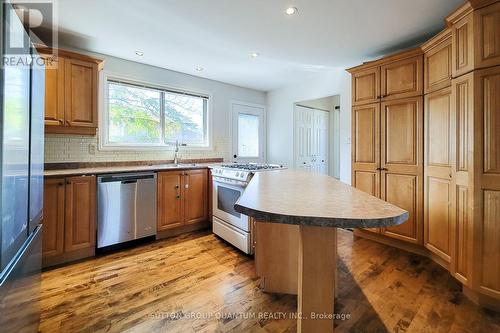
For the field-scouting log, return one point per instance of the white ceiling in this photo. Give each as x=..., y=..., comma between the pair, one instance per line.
x=219, y=35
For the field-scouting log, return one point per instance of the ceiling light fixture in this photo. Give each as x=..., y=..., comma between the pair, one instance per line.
x=139, y=53
x=254, y=55
x=291, y=10
x=199, y=68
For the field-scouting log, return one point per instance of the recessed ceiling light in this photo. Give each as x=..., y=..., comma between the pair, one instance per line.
x=139, y=53
x=254, y=55
x=199, y=68
x=291, y=10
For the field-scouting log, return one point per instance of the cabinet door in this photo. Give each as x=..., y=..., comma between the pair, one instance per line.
x=170, y=200
x=487, y=36
x=366, y=86
x=402, y=164
x=366, y=150
x=195, y=196
x=54, y=90
x=487, y=247
x=81, y=93
x=437, y=67
x=461, y=247
x=439, y=142
x=53, y=218
x=463, y=46
x=403, y=78
x=80, y=217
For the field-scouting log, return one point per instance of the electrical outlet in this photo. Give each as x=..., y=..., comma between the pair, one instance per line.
x=92, y=149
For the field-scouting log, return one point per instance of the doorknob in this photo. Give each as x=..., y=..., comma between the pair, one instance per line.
x=235, y=156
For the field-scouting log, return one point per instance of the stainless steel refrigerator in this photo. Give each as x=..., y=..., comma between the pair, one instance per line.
x=21, y=179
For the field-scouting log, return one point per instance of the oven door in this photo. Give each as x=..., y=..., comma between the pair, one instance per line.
x=224, y=197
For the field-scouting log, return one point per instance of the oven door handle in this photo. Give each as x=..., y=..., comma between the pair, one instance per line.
x=235, y=184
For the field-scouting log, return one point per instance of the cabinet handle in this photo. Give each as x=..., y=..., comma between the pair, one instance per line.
x=68, y=182
x=60, y=121
x=60, y=184
x=176, y=186
x=68, y=123
x=178, y=196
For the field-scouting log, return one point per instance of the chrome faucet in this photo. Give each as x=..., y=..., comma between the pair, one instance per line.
x=176, y=157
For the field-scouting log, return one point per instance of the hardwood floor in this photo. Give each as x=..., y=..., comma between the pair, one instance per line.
x=198, y=283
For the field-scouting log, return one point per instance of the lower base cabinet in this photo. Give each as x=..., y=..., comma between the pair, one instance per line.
x=182, y=198
x=69, y=222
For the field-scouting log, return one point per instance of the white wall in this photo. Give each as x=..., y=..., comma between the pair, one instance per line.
x=280, y=111
x=70, y=148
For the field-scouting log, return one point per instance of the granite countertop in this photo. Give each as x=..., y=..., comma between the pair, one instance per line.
x=119, y=169
x=303, y=198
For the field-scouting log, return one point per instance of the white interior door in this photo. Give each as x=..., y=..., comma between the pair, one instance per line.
x=320, y=142
x=311, y=139
x=248, y=133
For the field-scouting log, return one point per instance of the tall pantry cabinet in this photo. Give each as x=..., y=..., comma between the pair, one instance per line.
x=438, y=157
x=387, y=124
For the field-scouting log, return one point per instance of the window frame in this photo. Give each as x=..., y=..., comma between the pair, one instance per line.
x=103, y=129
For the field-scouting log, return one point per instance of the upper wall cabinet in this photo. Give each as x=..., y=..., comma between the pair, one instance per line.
x=366, y=86
x=476, y=38
x=71, y=83
x=437, y=62
x=402, y=78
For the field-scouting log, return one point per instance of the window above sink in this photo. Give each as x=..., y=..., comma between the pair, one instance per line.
x=141, y=116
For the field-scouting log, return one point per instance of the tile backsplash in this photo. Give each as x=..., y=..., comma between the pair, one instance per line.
x=79, y=148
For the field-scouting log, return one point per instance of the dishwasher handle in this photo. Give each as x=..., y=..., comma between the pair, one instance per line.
x=125, y=178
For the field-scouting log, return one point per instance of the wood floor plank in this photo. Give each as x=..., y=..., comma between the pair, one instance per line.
x=198, y=283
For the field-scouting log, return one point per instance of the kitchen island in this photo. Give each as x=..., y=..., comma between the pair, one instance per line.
x=315, y=204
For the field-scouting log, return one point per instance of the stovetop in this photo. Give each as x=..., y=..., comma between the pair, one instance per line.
x=252, y=166
x=240, y=174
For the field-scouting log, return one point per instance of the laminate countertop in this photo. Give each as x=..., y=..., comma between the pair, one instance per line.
x=304, y=198
x=120, y=169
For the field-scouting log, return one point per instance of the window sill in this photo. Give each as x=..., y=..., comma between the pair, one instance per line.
x=153, y=148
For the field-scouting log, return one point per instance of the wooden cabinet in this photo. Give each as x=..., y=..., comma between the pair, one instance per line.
x=366, y=86
x=463, y=46
x=462, y=91
x=402, y=78
x=170, y=197
x=71, y=93
x=366, y=150
x=53, y=218
x=182, y=198
x=402, y=164
x=476, y=38
x=440, y=162
x=439, y=196
x=487, y=225
x=69, y=222
x=437, y=62
x=487, y=36
x=196, y=196
x=80, y=78
x=80, y=213
x=54, y=91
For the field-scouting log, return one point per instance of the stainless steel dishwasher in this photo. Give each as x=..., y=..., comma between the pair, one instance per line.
x=126, y=207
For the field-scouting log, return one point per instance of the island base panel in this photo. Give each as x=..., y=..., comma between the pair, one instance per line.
x=316, y=280
x=276, y=257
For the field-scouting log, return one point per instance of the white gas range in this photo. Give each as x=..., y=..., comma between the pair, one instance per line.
x=229, y=182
